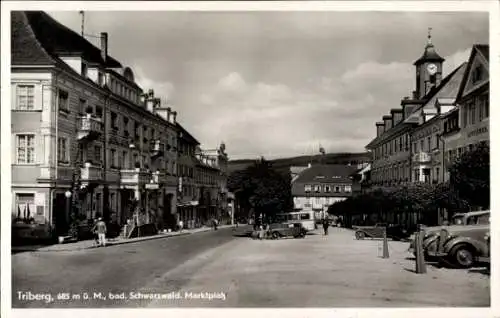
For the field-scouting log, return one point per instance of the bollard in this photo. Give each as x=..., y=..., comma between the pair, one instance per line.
x=419, y=254
x=385, y=249
x=442, y=237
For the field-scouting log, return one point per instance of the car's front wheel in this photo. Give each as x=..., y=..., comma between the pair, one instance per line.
x=462, y=256
x=275, y=235
x=359, y=235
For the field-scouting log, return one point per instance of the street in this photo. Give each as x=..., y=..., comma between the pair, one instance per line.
x=318, y=271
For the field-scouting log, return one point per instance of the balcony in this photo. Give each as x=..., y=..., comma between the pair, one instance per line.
x=134, y=177
x=89, y=128
x=156, y=179
x=156, y=148
x=90, y=173
x=422, y=157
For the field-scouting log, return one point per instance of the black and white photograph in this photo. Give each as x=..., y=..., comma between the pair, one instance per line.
x=246, y=156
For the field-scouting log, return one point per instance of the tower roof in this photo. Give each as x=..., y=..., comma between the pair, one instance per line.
x=430, y=54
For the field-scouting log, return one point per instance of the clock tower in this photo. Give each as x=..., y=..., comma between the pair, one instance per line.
x=429, y=69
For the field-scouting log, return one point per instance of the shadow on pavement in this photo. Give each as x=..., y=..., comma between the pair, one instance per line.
x=485, y=271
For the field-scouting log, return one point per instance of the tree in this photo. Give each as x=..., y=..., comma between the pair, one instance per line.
x=262, y=188
x=470, y=176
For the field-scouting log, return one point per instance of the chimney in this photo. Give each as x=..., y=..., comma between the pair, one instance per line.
x=169, y=113
x=397, y=116
x=380, y=128
x=104, y=46
x=387, y=122
x=415, y=95
x=174, y=117
x=150, y=103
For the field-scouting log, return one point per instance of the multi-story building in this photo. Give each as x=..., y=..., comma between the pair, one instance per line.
x=319, y=186
x=220, y=160
x=188, y=198
x=391, y=149
x=468, y=123
x=208, y=175
x=83, y=129
x=426, y=149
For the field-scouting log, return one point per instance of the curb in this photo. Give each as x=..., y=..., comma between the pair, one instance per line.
x=145, y=238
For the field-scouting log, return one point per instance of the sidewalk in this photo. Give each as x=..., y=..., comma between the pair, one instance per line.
x=80, y=245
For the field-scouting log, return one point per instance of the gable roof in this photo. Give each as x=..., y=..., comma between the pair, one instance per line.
x=38, y=38
x=25, y=49
x=483, y=49
x=331, y=174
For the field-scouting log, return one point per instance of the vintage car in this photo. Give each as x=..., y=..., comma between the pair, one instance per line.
x=462, y=246
x=459, y=219
x=279, y=230
x=395, y=232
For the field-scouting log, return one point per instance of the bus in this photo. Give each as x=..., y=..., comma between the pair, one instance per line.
x=304, y=217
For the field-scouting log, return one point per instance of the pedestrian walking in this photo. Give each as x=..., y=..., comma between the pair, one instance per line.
x=100, y=229
x=326, y=224
x=181, y=225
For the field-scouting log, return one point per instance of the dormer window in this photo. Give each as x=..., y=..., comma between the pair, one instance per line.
x=84, y=69
x=477, y=74
x=307, y=188
x=100, y=79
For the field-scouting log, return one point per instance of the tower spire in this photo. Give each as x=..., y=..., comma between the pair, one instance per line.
x=429, y=36
x=82, y=14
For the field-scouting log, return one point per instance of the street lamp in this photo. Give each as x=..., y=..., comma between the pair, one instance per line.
x=67, y=194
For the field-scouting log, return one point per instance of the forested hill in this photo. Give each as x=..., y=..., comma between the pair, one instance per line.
x=285, y=163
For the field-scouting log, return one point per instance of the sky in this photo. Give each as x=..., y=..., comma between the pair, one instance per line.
x=279, y=84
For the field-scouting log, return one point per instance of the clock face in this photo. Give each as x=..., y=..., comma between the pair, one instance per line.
x=432, y=69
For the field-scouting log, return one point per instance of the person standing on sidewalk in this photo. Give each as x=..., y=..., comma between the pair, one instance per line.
x=181, y=225
x=326, y=224
x=100, y=229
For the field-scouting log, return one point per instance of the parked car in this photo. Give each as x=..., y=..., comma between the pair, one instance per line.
x=459, y=219
x=394, y=231
x=463, y=246
x=279, y=230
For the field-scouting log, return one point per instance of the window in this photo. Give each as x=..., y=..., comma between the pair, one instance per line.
x=472, y=114
x=437, y=173
x=125, y=126
x=464, y=118
x=98, y=155
x=82, y=105
x=25, y=145
x=477, y=74
x=63, y=101
x=25, y=97
x=113, y=158
x=100, y=78
x=483, y=107
x=317, y=188
x=124, y=163
x=437, y=141
x=62, y=150
x=114, y=121
x=307, y=188
x=347, y=188
x=328, y=189
x=422, y=145
x=25, y=207
x=337, y=189
x=429, y=144
x=98, y=112
x=414, y=147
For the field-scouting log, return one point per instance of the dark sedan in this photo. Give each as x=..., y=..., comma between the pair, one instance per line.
x=394, y=231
